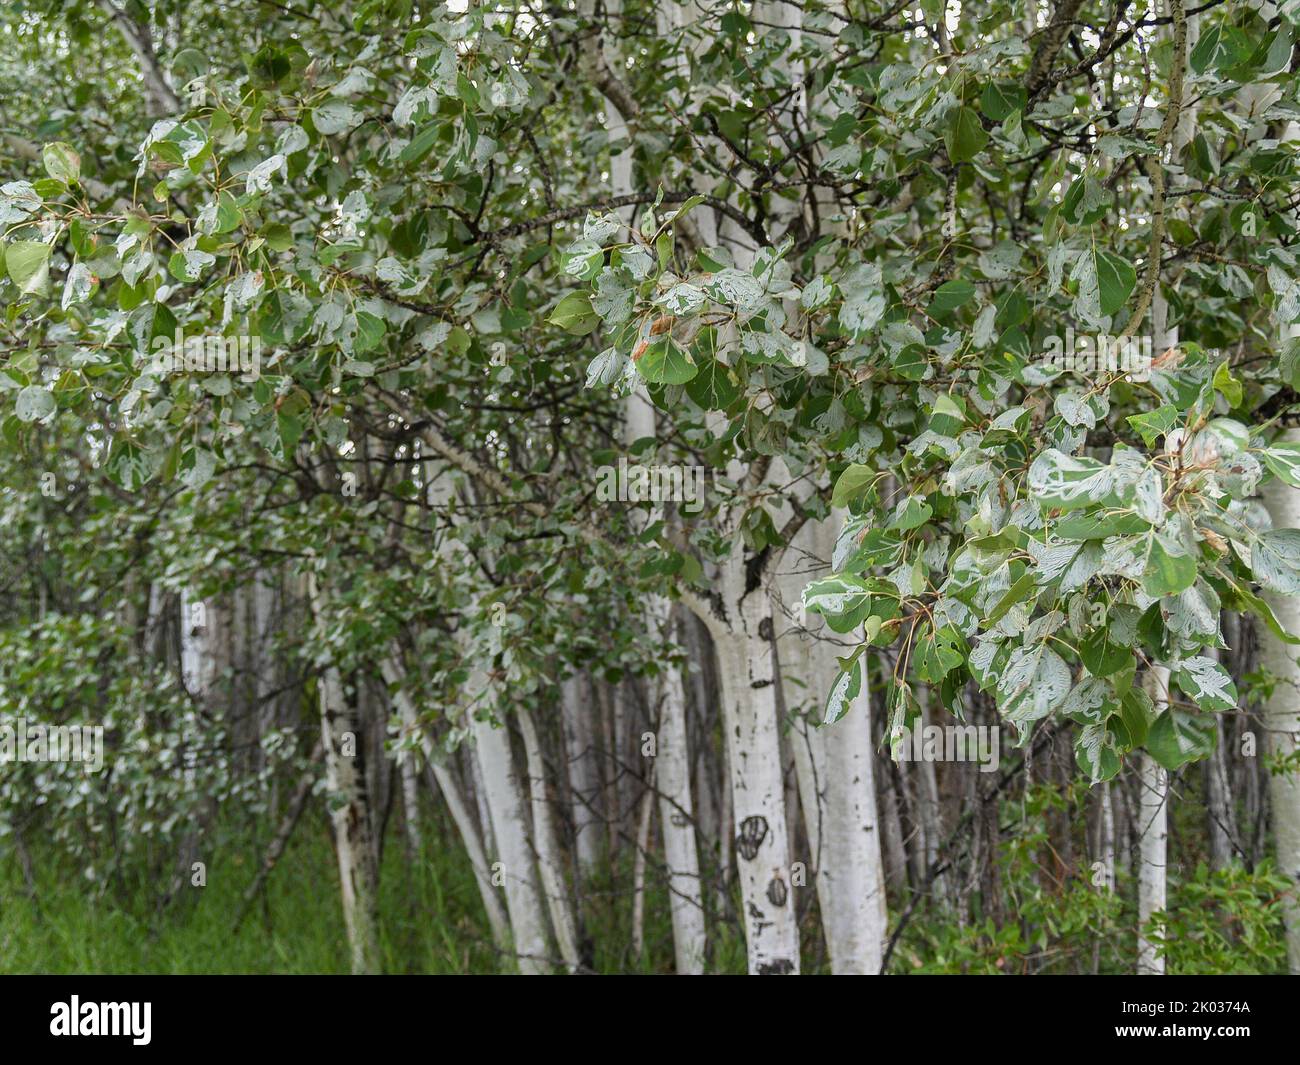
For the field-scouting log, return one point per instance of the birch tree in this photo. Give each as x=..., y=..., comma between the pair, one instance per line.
x=841, y=258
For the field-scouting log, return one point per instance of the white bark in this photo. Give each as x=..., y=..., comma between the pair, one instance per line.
x=461, y=814
x=159, y=97
x=515, y=856
x=1153, y=834
x=1106, y=836
x=410, y=779
x=673, y=774
x=550, y=865
x=198, y=639
x=1282, y=714
x=506, y=809
x=672, y=757
x=264, y=684
x=835, y=766
x=672, y=762
x=638, y=866
x=757, y=789
x=1153, y=780
x=576, y=702
x=1282, y=717
x=350, y=814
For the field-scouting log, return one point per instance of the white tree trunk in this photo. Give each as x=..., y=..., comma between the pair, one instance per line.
x=198, y=658
x=550, y=865
x=673, y=774
x=1282, y=714
x=407, y=770
x=835, y=766
x=461, y=814
x=576, y=702
x=350, y=814
x=672, y=757
x=515, y=855
x=1106, y=836
x=1282, y=717
x=1153, y=834
x=507, y=810
x=638, y=866
x=757, y=789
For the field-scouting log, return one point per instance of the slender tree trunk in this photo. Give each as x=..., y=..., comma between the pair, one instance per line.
x=1282, y=719
x=410, y=803
x=1106, y=837
x=576, y=702
x=672, y=767
x=638, y=867
x=757, y=789
x=1218, y=801
x=461, y=814
x=550, y=865
x=350, y=814
x=515, y=855
x=836, y=768
x=672, y=774
x=1153, y=835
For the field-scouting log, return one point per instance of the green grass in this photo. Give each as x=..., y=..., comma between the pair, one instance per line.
x=432, y=921
x=431, y=918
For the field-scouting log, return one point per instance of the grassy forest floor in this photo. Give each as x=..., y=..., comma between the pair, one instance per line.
x=433, y=921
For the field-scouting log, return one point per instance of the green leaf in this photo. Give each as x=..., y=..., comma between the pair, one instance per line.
x=1168, y=570
x=28, y=263
x=1035, y=682
x=1228, y=386
x=910, y=514
x=1100, y=525
x=575, y=314
x=1207, y=47
x=1001, y=98
x=422, y=143
x=189, y=265
x=1261, y=608
x=1206, y=683
x=714, y=386
x=1102, y=657
x=370, y=332
x=1275, y=560
x=1283, y=460
x=851, y=483
x=1178, y=737
x=845, y=689
x=34, y=402
x=1115, y=281
x=965, y=135
x=843, y=600
x=61, y=162
x=1137, y=711
x=910, y=362
x=949, y=296
x=1151, y=425
x=1017, y=593
x=666, y=362
x=1070, y=482
x=1096, y=752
